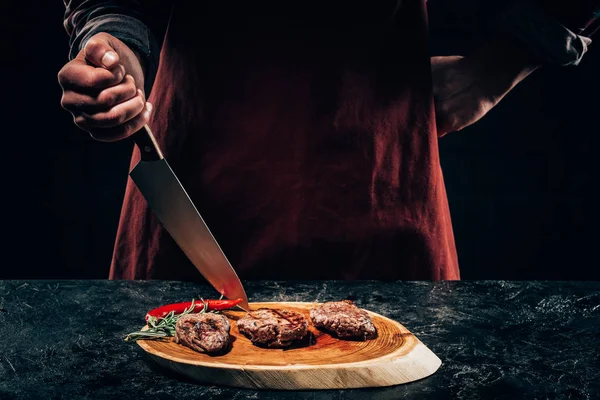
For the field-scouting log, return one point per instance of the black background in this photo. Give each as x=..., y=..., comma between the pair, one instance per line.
x=521, y=182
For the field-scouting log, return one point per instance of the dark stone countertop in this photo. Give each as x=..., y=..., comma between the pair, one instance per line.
x=496, y=339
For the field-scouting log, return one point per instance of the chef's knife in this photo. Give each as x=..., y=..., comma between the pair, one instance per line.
x=174, y=209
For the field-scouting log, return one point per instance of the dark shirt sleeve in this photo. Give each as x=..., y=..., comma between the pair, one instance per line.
x=558, y=32
x=139, y=24
x=580, y=16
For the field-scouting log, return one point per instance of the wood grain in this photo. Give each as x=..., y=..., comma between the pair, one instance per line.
x=320, y=361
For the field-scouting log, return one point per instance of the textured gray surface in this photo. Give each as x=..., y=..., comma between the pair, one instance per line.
x=497, y=340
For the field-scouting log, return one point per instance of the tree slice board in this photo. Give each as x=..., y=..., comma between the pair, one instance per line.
x=321, y=361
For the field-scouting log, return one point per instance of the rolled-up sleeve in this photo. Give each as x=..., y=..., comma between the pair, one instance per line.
x=559, y=33
x=139, y=24
x=556, y=32
x=580, y=16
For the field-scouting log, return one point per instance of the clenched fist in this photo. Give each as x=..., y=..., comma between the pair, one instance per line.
x=103, y=88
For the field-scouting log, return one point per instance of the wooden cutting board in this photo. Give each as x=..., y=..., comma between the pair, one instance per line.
x=321, y=361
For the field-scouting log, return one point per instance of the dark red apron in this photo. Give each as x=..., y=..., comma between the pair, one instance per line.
x=306, y=139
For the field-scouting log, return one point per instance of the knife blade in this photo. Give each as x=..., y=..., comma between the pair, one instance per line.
x=177, y=213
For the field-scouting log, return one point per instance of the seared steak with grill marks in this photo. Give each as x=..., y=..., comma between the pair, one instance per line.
x=205, y=333
x=344, y=320
x=273, y=328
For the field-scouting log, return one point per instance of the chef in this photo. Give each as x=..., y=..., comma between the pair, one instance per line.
x=305, y=133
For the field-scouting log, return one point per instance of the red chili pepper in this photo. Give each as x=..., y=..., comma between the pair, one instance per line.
x=178, y=308
x=216, y=305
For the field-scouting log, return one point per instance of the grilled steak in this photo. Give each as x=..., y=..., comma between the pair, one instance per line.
x=273, y=328
x=344, y=320
x=205, y=333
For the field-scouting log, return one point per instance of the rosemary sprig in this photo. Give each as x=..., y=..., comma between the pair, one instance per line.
x=165, y=327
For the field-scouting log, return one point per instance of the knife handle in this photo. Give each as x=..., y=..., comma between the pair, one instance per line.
x=148, y=145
